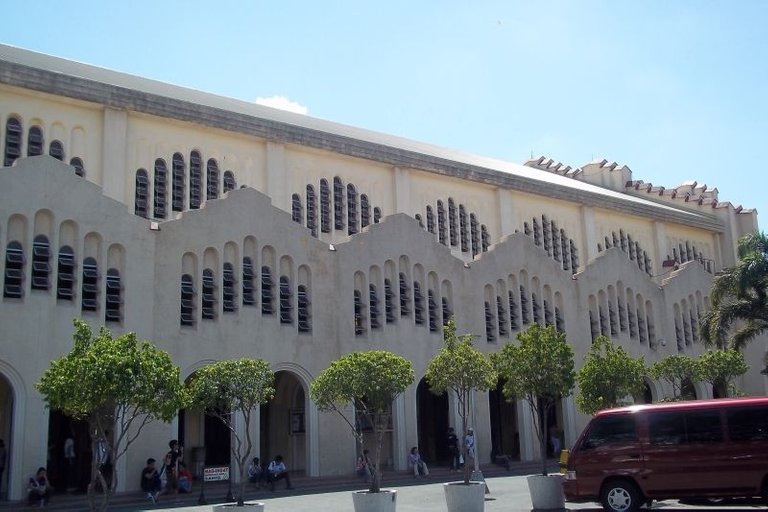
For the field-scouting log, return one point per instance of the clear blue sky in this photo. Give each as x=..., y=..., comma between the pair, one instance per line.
x=676, y=90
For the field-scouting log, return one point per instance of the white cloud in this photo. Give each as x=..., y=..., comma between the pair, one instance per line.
x=282, y=103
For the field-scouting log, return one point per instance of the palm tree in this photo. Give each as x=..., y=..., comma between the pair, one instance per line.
x=739, y=297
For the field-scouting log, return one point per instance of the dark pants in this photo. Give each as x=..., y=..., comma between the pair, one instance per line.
x=280, y=476
x=37, y=496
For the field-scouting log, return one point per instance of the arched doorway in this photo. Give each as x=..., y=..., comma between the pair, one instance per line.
x=69, y=453
x=198, y=430
x=687, y=390
x=432, y=420
x=505, y=438
x=283, y=423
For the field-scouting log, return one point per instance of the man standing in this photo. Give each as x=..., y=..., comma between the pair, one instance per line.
x=277, y=471
x=452, y=445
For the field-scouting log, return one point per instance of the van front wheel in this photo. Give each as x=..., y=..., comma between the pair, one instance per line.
x=620, y=496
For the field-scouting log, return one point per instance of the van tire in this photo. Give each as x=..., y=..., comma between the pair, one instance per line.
x=621, y=495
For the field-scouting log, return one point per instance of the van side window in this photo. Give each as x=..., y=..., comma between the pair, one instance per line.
x=673, y=428
x=747, y=424
x=620, y=429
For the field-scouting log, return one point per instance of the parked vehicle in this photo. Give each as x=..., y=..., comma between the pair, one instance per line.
x=679, y=450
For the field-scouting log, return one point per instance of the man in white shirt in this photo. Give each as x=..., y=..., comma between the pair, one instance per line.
x=277, y=471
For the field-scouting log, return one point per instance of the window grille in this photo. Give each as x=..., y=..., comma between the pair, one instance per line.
x=351, y=209
x=474, y=234
x=249, y=298
x=501, y=316
x=303, y=302
x=358, y=304
x=228, y=294
x=441, y=223
x=430, y=220
x=486, y=237
x=35, y=141
x=513, y=320
x=325, y=207
x=376, y=215
x=452, y=227
x=373, y=306
x=286, y=302
x=405, y=298
x=229, y=181
x=212, y=180
x=177, y=175
x=311, y=210
x=112, y=311
x=140, y=194
x=90, y=288
x=14, y=271
x=446, y=310
x=195, y=180
x=12, y=141
x=389, y=302
x=418, y=304
x=266, y=291
x=463, y=229
x=56, y=150
x=338, y=203
x=432, y=307
x=524, y=306
x=490, y=334
x=77, y=163
x=66, y=274
x=41, y=263
x=161, y=179
x=209, y=295
x=187, y=317
x=365, y=211
x=296, y=213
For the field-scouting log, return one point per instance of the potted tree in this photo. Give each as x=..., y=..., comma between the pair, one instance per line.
x=461, y=368
x=608, y=376
x=538, y=371
x=226, y=389
x=369, y=382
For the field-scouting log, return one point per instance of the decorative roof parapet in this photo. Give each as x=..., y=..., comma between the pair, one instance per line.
x=602, y=173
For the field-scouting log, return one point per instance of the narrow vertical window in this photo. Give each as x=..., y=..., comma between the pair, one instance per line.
x=286, y=302
x=452, y=224
x=574, y=257
x=303, y=302
x=209, y=295
x=524, y=306
x=432, y=308
x=446, y=310
x=545, y=226
x=559, y=320
x=376, y=215
x=485, y=237
x=114, y=304
x=266, y=291
x=548, y=319
x=249, y=298
x=405, y=297
x=195, y=180
x=338, y=203
x=66, y=274
x=365, y=211
x=187, y=317
x=527, y=229
x=90, y=290
x=441, y=223
x=296, y=213
x=513, y=323
x=325, y=206
x=229, y=181
x=463, y=229
x=140, y=194
x=564, y=249
x=311, y=210
x=501, y=316
x=12, y=141
x=373, y=306
x=490, y=332
x=474, y=234
x=430, y=220
x=631, y=248
x=212, y=180
x=41, y=263
x=536, y=233
x=418, y=304
x=56, y=150
x=228, y=294
x=419, y=220
x=555, y=241
x=35, y=141
x=351, y=209
x=177, y=175
x=358, y=313
x=389, y=301
x=14, y=271
x=161, y=179
x=594, y=328
x=639, y=256
x=536, y=309
x=77, y=163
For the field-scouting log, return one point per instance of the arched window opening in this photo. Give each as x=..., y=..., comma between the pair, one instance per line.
x=209, y=295
x=177, y=173
x=405, y=297
x=358, y=305
x=14, y=271
x=373, y=306
x=474, y=234
x=351, y=209
x=446, y=310
x=90, y=289
x=432, y=307
x=311, y=210
x=286, y=303
x=296, y=213
x=41, y=263
x=338, y=203
x=249, y=298
x=486, y=237
x=501, y=316
x=419, y=220
x=228, y=294
x=195, y=180
x=564, y=248
x=547, y=235
x=524, y=306
x=536, y=309
x=389, y=302
x=66, y=274
x=325, y=207
x=140, y=194
x=513, y=321
x=376, y=215
x=12, y=141
x=35, y=141
x=266, y=291
x=112, y=311
x=56, y=150
x=430, y=220
x=490, y=334
x=463, y=229
x=548, y=318
x=441, y=223
x=418, y=304
x=161, y=179
x=229, y=181
x=559, y=320
x=536, y=233
x=365, y=211
x=77, y=163
x=452, y=224
x=212, y=180
x=305, y=317
x=187, y=317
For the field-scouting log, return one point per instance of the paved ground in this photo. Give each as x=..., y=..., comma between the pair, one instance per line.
x=508, y=494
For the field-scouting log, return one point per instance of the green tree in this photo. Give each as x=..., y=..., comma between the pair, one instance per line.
x=739, y=297
x=460, y=367
x=227, y=388
x=539, y=370
x=677, y=370
x=370, y=382
x=608, y=376
x=116, y=384
x=720, y=367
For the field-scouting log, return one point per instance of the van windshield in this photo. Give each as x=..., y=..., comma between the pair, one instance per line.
x=618, y=429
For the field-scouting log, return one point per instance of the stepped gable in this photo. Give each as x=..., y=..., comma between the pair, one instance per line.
x=547, y=164
x=600, y=172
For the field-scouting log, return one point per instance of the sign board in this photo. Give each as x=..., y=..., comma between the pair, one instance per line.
x=216, y=473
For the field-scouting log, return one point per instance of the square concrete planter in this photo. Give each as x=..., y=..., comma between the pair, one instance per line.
x=465, y=498
x=384, y=501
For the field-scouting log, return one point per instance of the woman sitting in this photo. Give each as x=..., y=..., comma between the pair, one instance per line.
x=418, y=465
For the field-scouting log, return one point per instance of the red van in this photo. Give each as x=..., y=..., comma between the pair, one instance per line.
x=678, y=450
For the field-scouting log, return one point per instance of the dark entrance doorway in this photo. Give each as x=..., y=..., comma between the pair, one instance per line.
x=65, y=472
x=505, y=439
x=432, y=419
